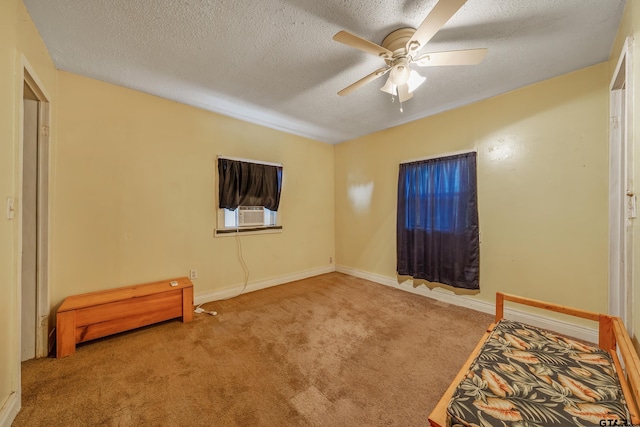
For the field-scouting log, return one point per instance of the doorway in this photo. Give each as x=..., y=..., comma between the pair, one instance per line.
x=622, y=199
x=34, y=225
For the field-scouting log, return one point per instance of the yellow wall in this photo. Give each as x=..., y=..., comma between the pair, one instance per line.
x=630, y=26
x=18, y=39
x=542, y=189
x=135, y=186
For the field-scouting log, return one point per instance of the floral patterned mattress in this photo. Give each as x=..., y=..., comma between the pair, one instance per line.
x=524, y=376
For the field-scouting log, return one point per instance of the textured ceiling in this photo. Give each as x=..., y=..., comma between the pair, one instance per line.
x=273, y=62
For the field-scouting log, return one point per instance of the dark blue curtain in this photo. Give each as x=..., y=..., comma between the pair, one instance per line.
x=437, y=230
x=248, y=184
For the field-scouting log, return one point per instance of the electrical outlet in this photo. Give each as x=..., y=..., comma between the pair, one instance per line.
x=193, y=274
x=330, y=260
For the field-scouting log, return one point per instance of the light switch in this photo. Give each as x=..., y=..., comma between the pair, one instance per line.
x=10, y=208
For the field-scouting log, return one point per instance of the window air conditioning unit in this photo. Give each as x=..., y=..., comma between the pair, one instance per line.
x=250, y=216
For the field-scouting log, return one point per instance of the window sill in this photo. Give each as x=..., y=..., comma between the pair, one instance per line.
x=247, y=231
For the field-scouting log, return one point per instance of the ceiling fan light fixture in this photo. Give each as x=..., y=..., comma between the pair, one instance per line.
x=390, y=88
x=415, y=80
x=400, y=74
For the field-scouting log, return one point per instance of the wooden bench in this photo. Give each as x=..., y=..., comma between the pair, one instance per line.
x=612, y=338
x=94, y=315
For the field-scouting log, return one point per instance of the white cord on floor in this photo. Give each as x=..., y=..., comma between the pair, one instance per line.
x=199, y=309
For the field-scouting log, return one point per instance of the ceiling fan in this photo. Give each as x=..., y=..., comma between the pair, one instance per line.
x=401, y=47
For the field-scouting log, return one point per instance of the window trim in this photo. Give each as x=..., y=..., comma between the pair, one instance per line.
x=267, y=229
x=258, y=162
x=438, y=156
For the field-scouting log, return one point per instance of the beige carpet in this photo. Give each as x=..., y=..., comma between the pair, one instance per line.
x=332, y=350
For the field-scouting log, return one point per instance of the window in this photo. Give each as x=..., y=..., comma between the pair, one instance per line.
x=437, y=223
x=248, y=195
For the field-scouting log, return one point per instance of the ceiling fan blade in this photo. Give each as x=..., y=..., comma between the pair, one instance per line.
x=453, y=57
x=363, y=81
x=403, y=93
x=439, y=15
x=366, y=46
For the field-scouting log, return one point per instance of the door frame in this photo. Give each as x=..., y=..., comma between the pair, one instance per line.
x=622, y=198
x=30, y=78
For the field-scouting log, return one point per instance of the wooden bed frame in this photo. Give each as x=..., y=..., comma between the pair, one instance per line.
x=612, y=337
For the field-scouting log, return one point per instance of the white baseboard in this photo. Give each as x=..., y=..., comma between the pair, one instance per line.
x=263, y=284
x=9, y=410
x=559, y=326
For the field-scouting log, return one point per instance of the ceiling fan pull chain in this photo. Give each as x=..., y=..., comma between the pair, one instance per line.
x=401, y=109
